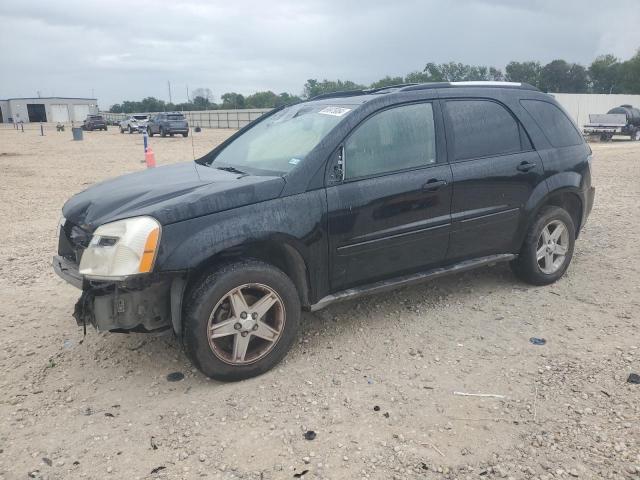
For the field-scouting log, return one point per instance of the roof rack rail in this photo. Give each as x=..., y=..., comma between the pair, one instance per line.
x=490, y=84
x=389, y=87
x=342, y=93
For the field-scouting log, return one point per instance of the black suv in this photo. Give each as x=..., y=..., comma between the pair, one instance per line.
x=168, y=124
x=94, y=122
x=343, y=195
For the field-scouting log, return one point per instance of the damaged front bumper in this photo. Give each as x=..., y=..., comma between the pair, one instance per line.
x=139, y=304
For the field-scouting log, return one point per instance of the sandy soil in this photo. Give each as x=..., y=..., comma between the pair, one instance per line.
x=103, y=408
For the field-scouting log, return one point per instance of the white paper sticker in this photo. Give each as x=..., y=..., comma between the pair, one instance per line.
x=335, y=111
x=294, y=161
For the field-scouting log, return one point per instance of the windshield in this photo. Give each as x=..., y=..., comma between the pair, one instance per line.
x=283, y=140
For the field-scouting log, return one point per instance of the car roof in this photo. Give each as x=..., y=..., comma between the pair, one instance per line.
x=362, y=96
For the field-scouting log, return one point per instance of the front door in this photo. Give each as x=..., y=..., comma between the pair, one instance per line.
x=391, y=214
x=495, y=170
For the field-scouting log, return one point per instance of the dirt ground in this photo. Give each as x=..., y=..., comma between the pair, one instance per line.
x=374, y=379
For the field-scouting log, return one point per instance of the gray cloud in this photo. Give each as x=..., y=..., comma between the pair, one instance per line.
x=125, y=50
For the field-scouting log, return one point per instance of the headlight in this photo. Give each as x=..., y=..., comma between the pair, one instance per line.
x=122, y=248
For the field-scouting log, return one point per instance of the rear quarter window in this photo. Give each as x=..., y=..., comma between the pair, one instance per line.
x=554, y=123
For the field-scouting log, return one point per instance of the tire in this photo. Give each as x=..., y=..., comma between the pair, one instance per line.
x=171, y=134
x=121, y=130
x=185, y=134
x=162, y=132
x=149, y=132
x=527, y=266
x=210, y=295
x=130, y=129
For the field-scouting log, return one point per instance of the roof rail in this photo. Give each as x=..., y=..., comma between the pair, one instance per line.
x=425, y=86
x=342, y=93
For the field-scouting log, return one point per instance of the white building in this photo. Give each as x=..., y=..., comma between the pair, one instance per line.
x=47, y=109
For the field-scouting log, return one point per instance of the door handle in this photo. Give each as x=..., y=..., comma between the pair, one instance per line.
x=433, y=184
x=526, y=166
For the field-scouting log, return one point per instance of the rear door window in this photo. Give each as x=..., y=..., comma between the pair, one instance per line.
x=556, y=126
x=483, y=128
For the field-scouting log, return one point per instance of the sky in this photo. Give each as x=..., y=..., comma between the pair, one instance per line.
x=116, y=50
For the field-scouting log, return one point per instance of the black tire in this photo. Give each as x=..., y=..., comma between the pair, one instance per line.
x=149, y=132
x=130, y=129
x=121, y=130
x=171, y=134
x=162, y=132
x=203, y=297
x=185, y=134
x=526, y=266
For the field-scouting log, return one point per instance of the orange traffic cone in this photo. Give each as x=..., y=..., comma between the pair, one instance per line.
x=150, y=158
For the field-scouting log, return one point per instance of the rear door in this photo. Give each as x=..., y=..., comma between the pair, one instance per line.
x=495, y=170
x=390, y=215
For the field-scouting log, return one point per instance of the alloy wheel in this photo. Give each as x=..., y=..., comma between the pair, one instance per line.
x=552, y=247
x=246, y=324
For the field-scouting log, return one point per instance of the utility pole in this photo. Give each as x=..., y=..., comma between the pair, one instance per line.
x=188, y=94
x=169, y=83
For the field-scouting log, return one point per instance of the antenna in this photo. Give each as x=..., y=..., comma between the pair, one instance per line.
x=193, y=148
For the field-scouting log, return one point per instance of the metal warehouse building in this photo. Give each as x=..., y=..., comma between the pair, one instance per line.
x=48, y=109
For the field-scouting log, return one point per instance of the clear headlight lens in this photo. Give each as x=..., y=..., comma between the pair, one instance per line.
x=122, y=248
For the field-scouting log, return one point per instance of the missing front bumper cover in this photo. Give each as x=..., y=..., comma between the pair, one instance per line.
x=125, y=311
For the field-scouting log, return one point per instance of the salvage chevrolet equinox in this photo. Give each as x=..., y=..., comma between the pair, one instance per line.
x=347, y=194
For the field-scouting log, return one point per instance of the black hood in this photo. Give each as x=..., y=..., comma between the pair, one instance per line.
x=170, y=194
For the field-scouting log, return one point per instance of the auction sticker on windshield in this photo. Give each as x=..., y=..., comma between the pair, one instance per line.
x=335, y=111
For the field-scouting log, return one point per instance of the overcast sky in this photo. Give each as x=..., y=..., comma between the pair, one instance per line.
x=119, y=50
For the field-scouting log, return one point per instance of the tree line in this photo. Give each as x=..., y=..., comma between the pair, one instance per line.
x=606, y=74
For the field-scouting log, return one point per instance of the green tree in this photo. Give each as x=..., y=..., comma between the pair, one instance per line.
x=524, y=72
x=266, y=99
x=630, y=75
x=387, y=81
x=560, y=76
x=605, y=73
x=287, y=99
x=232, y=100
x=313, y=87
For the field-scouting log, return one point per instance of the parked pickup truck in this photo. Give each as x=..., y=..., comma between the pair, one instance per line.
x=134, y=123
x=623, y=120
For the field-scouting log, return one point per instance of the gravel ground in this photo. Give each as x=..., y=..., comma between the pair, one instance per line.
x=374, y=379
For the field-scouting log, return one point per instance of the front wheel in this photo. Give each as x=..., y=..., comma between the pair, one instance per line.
x=548, y=247
x=150, y=132
x=185, y=134
x=240, y=320
x=162, y=132
x=121, y=130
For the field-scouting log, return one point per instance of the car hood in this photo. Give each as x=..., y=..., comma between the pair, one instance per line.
x=170, y=194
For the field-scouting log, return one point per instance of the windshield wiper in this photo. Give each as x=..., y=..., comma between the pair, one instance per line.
x=232, y=170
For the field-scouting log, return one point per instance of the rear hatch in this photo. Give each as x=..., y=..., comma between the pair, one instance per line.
x=177, y=121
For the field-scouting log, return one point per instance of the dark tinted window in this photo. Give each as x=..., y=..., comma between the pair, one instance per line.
x=553, y=122
x=176, y=116
x=481, y=128
x=395, y=139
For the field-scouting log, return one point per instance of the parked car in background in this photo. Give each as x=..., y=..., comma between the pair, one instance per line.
x=168, y=123
x=94, y=122
x=134, y=123
x=347, y=194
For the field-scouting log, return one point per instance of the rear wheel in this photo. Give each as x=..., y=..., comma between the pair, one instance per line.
x=121, y=130
x=162, y=132
x=548, y=247
x=185, y=134
x=241, y=320
x=171, y=134
x=150, y=132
